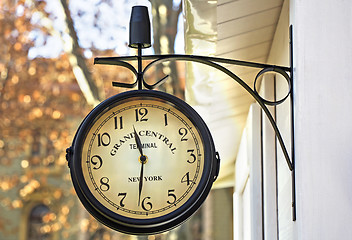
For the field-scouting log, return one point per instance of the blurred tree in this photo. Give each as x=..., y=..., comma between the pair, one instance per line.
x=77, y=61
x=165, y=20
x=35, y=125
x=41, y=106
x=42, y=102
x=71, y=47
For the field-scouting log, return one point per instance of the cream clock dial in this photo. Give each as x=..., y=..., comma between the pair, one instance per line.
x=142, y=162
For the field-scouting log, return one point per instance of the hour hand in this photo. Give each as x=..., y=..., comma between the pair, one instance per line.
x=138, y=141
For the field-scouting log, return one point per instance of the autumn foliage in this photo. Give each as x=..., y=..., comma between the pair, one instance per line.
x=41, y=107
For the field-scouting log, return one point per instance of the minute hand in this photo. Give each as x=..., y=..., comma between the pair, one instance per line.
x=138, y=141
x=142, y=158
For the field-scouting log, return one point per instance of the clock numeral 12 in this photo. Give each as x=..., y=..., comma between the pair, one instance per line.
x=140, y=114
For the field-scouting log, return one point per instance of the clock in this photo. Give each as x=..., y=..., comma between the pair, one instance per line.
x=142, y=162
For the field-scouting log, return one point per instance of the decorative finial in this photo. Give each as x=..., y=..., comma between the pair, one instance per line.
x=139, y=27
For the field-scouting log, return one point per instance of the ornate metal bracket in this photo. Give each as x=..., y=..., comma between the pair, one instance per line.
x=286, y=72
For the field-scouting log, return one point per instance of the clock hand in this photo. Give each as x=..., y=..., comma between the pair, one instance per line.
x=140, y=183
x=142, y=159
x=138, y=141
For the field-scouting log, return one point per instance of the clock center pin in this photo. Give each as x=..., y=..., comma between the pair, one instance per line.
x=143, y=159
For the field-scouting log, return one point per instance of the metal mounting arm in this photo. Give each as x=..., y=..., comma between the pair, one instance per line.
x=210, y=61
x=286, y=72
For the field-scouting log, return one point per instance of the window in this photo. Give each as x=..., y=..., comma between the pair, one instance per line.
x=36, y=224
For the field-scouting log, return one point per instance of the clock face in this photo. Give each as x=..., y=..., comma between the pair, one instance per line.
x=144, y=160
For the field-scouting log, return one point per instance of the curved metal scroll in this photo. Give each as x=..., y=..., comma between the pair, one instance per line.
x=213, y=62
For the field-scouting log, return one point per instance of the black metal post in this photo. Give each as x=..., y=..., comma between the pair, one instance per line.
x=293, y=173
x=140, y=70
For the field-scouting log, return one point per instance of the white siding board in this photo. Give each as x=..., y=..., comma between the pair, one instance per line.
x=249, y=23
x=244, y=8
x=256, y=51
x=244, y=40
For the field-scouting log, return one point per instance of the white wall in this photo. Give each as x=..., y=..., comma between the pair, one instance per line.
x=323, y=118
x=322, y=121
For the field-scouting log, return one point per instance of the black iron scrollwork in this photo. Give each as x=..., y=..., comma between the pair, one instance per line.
x=212, y=62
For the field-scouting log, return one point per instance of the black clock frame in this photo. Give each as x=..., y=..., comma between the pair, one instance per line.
x=153, y=225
